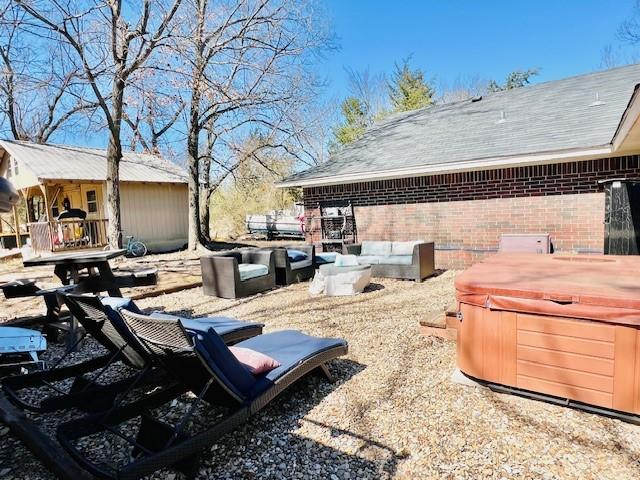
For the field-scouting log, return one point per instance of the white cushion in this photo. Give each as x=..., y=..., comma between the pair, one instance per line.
x=346, y=260
x=403, y=248
x=396, y=260
x=375, y=248
x=369, y=259
x=251, y=270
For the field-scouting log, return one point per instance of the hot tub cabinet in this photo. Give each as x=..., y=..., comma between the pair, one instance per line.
x=561, y=327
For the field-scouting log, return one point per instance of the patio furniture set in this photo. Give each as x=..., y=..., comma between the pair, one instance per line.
x=244, y=272
x=220, y=360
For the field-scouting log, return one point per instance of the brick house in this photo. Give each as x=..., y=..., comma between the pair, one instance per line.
x=558, y=157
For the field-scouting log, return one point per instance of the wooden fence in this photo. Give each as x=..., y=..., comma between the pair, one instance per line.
x=64, y=235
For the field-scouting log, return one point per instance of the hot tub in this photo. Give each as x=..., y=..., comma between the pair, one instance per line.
x=564, y=328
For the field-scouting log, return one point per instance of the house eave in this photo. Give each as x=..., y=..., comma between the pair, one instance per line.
x=557, y=156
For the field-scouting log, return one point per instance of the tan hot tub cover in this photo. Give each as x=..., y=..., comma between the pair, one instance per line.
x=594, y=287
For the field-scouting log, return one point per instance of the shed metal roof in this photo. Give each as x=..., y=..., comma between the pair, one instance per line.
x=61, y=162
x=563, y=118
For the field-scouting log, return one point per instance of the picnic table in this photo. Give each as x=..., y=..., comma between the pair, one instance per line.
x=69, y=269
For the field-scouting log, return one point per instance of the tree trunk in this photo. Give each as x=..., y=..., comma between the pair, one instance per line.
x=205, y=215
x=114, y=154
x=194, y=191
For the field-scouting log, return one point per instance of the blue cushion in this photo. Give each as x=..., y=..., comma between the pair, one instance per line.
x=222, y=325
x=252, y=270
x=289, y=348
x=213, y=351
x=296, y=255
x=326, y=257
x=112, y=305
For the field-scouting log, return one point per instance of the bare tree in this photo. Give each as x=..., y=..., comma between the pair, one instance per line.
x=247, y=73
x=463, y=88
x=110, y=44
x=41, y=91
x=629, y=30
x=371, y=90
x=152, y=108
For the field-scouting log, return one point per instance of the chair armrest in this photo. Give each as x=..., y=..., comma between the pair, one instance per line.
x=280, y=258
x=220, y=267
x=353, y=249
x=423, y=256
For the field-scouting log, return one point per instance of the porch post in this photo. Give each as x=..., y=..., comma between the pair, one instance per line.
x=16, y=224
x=46, y=201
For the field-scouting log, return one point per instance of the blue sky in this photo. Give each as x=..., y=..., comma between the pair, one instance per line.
x=489, y=38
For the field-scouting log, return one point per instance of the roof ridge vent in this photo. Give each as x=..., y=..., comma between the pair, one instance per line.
x=597, y=102
x=503, y=117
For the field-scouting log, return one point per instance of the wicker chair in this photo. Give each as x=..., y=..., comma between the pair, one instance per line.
x=233, y=273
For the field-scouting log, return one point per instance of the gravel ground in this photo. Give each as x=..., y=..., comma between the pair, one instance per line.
x=393, y=413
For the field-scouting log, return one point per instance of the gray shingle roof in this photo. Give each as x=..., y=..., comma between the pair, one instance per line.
x=544, y=117
x=61, y=162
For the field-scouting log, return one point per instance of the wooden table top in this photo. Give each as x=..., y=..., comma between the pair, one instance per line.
x=75, y=257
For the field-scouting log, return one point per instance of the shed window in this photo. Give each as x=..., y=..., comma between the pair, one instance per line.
x=92, y=201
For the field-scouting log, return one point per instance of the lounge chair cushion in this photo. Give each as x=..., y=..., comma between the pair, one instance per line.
x=296, y=255
x=222, y=325
x=396, y=260
x=326, y=257
x=290, y=348
x=252, y=270
x=212, y=350
x=369, y=259
x=255, y=362
x=403, y=248
x=375, y=248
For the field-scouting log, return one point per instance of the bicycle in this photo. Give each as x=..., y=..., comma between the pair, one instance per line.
x=134, y=248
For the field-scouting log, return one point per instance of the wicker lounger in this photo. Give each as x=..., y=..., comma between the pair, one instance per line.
x=101, y=319
x=218, y=378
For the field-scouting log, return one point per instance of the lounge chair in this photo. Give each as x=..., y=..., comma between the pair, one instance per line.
x=218, y=378
x=101, y=319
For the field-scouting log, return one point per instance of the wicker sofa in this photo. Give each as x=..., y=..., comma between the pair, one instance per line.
x=288, y=271
x=238, y=273
x=412, y=260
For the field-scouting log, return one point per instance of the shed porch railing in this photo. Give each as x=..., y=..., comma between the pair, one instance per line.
x=62, y=235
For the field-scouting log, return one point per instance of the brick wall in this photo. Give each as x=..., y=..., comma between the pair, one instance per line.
x=465, y=213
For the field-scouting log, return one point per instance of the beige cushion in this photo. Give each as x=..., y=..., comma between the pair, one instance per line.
x=403, y=248
x=370, y=247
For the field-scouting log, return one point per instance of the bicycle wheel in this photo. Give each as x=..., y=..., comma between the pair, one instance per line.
x=137, y=249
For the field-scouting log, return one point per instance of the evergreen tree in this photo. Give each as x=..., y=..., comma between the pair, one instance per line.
x=354, y=113
x=516, y=79
x=408, y=90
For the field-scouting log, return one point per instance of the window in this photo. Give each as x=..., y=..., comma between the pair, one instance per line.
x=92, y=201
x=15, y=166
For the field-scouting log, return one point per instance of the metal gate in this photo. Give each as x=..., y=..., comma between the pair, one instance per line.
x=622, y=218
